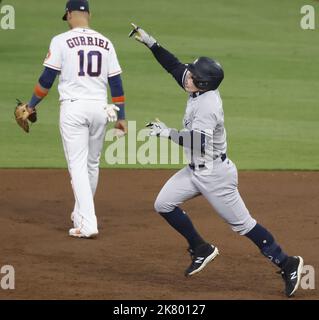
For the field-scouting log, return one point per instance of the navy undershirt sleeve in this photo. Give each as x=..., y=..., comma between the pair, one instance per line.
x=46, y=80
x=48, y=77
x=170, y=63
x=116, y=87
x=194, y=140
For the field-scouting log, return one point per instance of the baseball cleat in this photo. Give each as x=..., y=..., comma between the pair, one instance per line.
x=191, y=252
x=291, y=274
x=74, y=232
x=200, y=258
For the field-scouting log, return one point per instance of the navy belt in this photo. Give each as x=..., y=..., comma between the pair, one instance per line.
x=222, y=156
x=193, y=166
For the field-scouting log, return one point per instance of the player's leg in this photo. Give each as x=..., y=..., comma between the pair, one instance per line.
x=75, y=136
x=97, y=131
x=96, y=138
x=221, y=190
x=76, y=204
x=177, y=190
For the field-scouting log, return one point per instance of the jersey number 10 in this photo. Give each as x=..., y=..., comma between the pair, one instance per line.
x=92, y=56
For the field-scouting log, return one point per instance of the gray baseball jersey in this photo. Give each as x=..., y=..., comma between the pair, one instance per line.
x=204, y=113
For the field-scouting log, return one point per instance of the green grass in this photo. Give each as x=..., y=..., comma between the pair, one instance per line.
x=270, y=91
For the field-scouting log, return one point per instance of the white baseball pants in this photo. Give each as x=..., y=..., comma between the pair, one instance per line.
x=83, y=126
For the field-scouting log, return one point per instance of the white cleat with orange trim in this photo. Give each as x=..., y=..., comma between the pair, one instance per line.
x=75, y=232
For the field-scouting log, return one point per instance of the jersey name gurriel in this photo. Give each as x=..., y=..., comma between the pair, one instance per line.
x=86, y=60
x=87, y=41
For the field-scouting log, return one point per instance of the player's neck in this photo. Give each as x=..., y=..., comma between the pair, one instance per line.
x=81, y=25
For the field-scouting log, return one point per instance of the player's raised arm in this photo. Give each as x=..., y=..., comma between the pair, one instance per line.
x=167, y=60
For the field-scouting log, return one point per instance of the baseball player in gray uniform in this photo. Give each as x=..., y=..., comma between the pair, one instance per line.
x=210, y=172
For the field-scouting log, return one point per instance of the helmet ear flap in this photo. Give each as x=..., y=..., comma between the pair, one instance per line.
x=200, y=84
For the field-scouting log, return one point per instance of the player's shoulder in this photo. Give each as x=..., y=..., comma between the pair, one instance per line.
x=212, y=97
x=209, y=103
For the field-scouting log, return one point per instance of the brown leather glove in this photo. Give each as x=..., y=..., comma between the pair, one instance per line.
x=24, y=114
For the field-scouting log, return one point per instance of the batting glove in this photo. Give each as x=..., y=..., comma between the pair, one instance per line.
x=111, y=112
x=142, y=36
x=158, y=129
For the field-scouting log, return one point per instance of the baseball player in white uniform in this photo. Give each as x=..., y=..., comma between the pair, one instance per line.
x=210, y=172
x=86, y=63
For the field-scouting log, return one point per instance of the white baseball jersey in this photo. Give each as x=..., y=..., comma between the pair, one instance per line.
x=85, y=59
x=205, y=113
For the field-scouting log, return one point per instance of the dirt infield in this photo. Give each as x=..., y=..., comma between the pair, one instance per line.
x=137, y=255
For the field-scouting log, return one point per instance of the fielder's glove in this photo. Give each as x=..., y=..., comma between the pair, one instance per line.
x=142, y=36
x=24, y=114
x=158, y=129
x=111, y=114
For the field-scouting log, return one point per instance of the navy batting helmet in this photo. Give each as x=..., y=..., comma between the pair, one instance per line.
x=207, y=73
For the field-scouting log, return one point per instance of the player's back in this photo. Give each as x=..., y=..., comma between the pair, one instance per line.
x=85, y=59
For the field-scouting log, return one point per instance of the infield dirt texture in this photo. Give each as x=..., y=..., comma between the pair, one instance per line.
x=137, y=256
x=270, y=95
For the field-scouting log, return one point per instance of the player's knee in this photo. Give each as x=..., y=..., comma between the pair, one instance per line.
x=93, y=164
x=162, y=206
x=158, y=205
x=93, y=170
x=244, y=227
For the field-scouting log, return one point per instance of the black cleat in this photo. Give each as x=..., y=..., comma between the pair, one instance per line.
x=201, y=256
x=291, y=273
x=191, y=252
